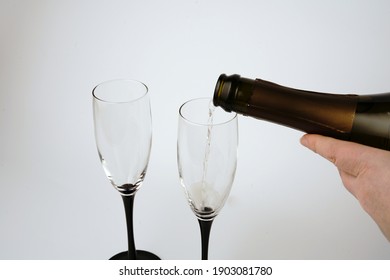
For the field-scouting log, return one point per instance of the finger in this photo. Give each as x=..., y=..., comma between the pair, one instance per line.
x=347, y=156
x=320, y=145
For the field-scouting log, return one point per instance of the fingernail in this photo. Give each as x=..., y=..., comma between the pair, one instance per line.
x=304, y=141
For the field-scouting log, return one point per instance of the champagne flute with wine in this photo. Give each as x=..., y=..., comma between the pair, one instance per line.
x=207, y=144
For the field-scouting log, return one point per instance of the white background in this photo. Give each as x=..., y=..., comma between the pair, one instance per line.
x=286, y=202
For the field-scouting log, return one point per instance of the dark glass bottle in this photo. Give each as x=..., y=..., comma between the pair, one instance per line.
x=363, y=119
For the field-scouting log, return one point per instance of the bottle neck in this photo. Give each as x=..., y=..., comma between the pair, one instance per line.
x=313, y=112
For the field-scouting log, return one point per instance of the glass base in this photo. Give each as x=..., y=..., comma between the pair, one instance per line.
x=141, y=255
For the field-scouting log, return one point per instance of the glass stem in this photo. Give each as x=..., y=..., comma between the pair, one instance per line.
x=128, y=202
x=205, y=227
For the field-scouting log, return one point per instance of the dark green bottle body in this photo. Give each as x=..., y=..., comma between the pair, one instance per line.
x=363, y=119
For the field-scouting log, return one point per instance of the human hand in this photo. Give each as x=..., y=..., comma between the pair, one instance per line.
x=364, y=171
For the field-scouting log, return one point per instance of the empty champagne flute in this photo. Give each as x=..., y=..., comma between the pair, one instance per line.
x=207, y=158
x=123, y=133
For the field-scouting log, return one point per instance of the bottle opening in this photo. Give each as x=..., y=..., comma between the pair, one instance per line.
x=225, y=91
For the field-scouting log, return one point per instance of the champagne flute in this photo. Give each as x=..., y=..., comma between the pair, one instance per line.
x=207, y=159
x=123, y=133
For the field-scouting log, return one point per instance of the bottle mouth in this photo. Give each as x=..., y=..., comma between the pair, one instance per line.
x=225, y=90
x=219, y=89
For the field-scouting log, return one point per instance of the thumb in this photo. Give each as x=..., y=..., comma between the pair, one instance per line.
x=320, y=145
x=347, y=156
